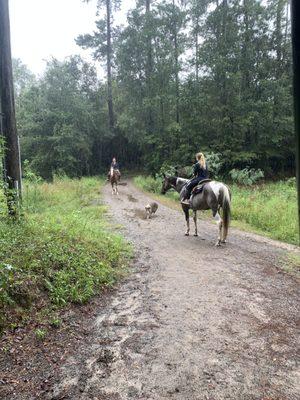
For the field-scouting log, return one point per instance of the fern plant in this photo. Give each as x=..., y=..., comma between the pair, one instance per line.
x=246, y=176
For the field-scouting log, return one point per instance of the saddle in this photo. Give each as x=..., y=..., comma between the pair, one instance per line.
x=198, y=189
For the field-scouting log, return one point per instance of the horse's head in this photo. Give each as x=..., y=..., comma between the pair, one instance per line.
x=168, y=183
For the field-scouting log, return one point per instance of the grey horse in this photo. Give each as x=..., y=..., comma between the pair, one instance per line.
x=214, y=195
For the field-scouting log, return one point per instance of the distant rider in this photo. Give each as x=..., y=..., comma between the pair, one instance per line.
x=200, y=172
x=115, y=166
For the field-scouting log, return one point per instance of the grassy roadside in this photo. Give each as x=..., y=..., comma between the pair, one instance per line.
x=269, y=209
x=62, y=251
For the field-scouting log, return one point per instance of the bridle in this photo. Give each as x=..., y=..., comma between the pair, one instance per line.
x=172, y=185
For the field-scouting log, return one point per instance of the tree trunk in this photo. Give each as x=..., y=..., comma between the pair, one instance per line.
x=176, y=63
x=296, y=67
x=197, y=50
x=245, y=62
x=111, y=118
x=279, y=37
x=279, y=55
x=149, y=67
x=11, y=153
x=245, y=52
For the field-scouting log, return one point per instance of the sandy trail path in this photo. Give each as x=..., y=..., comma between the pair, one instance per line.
x=193, y=321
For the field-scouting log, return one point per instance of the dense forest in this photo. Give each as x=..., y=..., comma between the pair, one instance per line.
x=180, y=77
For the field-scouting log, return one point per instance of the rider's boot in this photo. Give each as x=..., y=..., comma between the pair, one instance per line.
x=185, y=201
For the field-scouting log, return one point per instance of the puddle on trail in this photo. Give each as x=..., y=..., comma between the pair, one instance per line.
x=139, y=213
x=131, y=198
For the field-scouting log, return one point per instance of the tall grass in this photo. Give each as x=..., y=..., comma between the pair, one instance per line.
x=270, y=208
x=61, y=251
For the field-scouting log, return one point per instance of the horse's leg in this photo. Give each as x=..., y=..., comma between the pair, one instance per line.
x=219, y=221
x=117, y=192
x=195, y=222
x=187, y=218
x=224, y=235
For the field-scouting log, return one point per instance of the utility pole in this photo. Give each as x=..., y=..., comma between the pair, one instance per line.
x=7, y=107
x=149, y=66
x=296, y=63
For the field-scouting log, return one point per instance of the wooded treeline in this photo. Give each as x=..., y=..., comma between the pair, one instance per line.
x=181, y=76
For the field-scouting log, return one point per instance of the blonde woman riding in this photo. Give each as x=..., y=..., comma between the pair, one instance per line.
x=200, y=172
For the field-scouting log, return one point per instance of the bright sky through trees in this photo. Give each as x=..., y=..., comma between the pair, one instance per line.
x=41, y=29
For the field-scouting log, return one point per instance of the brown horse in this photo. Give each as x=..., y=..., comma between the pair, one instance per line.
x=114, y=177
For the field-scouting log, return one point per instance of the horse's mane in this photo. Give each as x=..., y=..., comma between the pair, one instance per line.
x=180, y=179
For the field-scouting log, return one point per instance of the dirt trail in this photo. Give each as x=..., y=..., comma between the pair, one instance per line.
x=193, y=321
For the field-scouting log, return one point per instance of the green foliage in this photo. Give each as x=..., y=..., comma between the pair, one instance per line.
x=290, y=262
x=270, y=208
x=186, y=76
x=154, y=185
x=148, y=183
x=246, y=176
x=40, y=333
x=55, y=322
x=166, y=169
x=23, y=77
x=3, y=202
x=214, y=163
x=62, y=250
x=29, y=175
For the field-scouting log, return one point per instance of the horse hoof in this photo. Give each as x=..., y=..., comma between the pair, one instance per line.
x=195, y=234
x=186, y=234
x=218, y=244
x=223, y=241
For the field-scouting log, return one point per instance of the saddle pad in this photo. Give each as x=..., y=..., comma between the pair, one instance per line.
x=198, y=189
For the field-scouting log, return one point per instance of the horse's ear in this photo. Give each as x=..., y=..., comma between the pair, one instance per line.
x=176, y=171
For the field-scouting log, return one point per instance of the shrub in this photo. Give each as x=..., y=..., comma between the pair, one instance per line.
x=149, y=184
x=246, y=176
x=214, y=163
x=29, y=175
x=167, y=169
x=62, y=250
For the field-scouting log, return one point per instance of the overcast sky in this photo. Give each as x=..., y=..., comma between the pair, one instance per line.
x=44, y=28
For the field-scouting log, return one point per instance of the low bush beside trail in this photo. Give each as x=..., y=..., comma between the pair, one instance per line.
x=61, y=251
x=269, y=208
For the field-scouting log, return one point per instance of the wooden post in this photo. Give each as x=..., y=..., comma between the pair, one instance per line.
x=296, y=63
x=9, y=129
x=111, y=116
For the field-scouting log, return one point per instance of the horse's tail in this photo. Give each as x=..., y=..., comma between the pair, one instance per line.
x=226, y=209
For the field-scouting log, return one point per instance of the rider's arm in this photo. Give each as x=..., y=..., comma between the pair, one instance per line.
x=195, y=169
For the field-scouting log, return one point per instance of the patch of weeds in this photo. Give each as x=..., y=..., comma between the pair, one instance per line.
x=290, y=263
x=40, y=333
x=61, y=252
x=55, y=322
